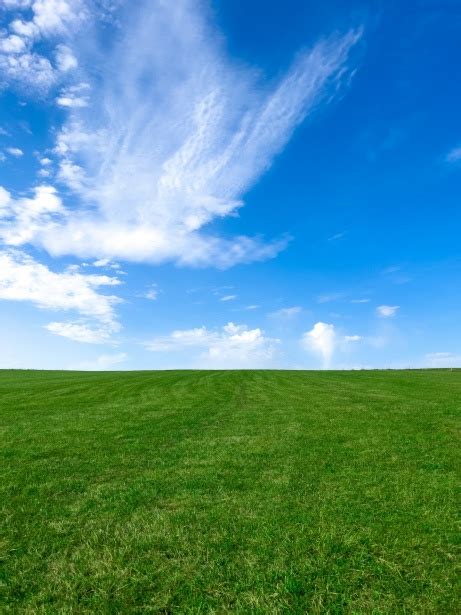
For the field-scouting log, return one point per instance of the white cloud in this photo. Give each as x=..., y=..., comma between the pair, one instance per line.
x=22, y=61
x=232, y=346
x=163, y=153
x=360, y=300
x=82, y=332
x=12, y=44
x=387, y=311
x=21, y=218
x=228, y=298
x=289, y=312
x=24, y=279
x=26, y=29
x=57, y=16
x=74, y=96
x=14, y=151
x=323, y=339
x=72, y=175
x=72, y=101
x=102, y=262
x=27, y=70
x=65, y=59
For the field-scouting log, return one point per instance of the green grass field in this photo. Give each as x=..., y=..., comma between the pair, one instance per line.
x=229, y=492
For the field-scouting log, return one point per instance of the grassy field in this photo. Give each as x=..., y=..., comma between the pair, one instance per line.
x=229, y=492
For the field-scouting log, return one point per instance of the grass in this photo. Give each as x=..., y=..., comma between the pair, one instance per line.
x=229, y=492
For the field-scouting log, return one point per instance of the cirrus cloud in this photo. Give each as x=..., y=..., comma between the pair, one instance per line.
x=155, y=156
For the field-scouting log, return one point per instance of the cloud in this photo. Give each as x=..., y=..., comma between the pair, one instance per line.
x=323, y=339
x=17, y=4
x=233, y=346
x=82, y=332
x=23, y=61
x=443, y=359
x=105, y=263
x=360, y=300
x=337, y=236
x=27, y=70
x=162, y=154
x=65, y=59
x=21, y=218
x=102, y=363
x=24, y=279
x=57, y=16
x=12, y=44
x=329, y=298
x=74, y=97
x=14, y=151
x=387, y=311
x=151, y=293
x=289, y=312
x=454, y=155
x=228, y=298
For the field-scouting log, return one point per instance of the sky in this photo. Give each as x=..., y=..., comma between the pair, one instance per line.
x=225, y=184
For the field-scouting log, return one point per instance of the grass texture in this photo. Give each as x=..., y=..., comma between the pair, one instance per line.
x=229, y=492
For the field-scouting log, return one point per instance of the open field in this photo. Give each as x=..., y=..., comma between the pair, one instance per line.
x=229, y=492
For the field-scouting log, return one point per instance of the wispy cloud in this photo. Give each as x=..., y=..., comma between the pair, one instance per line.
x=151, y=293
x=454, y=155
x=387, y=311
x=158, y=154
x=228, y=298
x=442, y=359
x=330, y=297
x=285, y=313
x=337, y=236
x=102, y=363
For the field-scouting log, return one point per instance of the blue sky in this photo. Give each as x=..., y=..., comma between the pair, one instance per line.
x=229, y=184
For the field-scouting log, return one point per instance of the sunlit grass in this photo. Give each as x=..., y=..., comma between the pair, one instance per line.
x=229, y=492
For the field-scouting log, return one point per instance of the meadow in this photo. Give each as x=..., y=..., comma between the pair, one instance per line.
x=229, y=492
